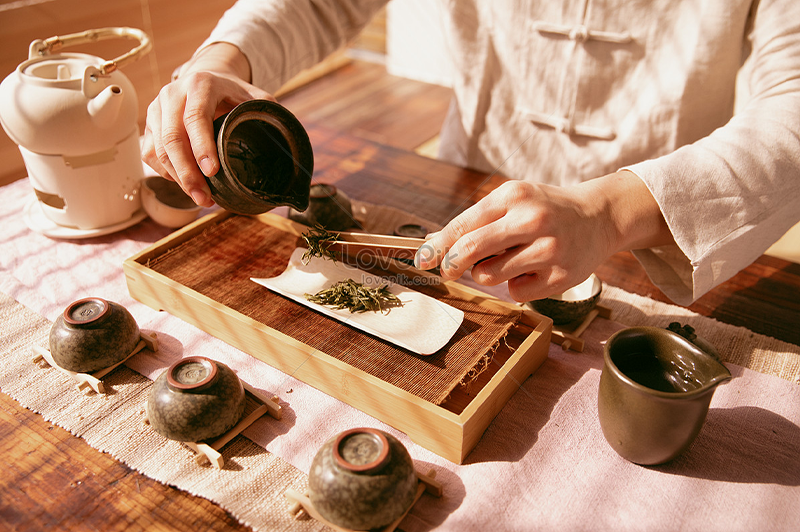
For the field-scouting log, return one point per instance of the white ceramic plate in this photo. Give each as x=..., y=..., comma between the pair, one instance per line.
x=422, y=324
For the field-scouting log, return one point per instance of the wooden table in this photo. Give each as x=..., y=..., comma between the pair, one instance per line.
x=54, y=481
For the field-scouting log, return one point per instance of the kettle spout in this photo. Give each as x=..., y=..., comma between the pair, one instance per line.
x=105, y=107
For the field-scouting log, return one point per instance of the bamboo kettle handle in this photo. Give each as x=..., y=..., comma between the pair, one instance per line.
x=52, y=44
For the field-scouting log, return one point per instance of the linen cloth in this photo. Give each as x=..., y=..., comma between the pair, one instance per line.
x=564, y=91
x=543, y=463
x=250, y=486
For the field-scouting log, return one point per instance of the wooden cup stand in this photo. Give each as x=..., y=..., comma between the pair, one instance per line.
x=88, y=382
x=568, y=336
x=300, y=503
x=206, y=451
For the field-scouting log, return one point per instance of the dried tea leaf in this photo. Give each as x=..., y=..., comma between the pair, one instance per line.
x=355, y=297
x=318, y=241
x=687, y=331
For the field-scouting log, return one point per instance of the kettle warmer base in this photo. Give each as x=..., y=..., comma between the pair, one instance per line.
x=36, y=220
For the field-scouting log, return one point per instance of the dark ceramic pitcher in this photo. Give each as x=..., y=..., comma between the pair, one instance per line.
x=654, y=394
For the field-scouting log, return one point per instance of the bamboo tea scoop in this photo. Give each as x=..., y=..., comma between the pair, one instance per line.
x=399, y=247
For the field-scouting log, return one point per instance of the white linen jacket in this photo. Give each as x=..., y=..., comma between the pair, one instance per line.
x=564, y=91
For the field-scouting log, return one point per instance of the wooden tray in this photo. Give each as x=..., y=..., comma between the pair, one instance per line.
x=450, y=429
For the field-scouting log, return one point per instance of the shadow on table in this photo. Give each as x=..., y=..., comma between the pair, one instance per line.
x=516, y=428
x=238, y=450
x=770, y=306
x=134, y=369
x=121, y=376
x=430, y=511
x=266, y=428
x=745, y=445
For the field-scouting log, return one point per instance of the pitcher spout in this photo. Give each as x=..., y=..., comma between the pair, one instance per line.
x=720, y=374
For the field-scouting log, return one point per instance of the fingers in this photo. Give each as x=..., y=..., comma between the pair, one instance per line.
x=526, y=257
x=207, y=97
x=490, y=227
x=540, y=239
x=174, y=149
x=540, y=284
x=179, y=138
x=149, y=154
x=198, y=119
x=527, y=287
x=533, y=271
x=468, y=232
x=152, y=145
x=193, y=150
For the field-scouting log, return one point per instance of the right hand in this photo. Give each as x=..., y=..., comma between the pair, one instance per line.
x=179, y=136
x=544, y=239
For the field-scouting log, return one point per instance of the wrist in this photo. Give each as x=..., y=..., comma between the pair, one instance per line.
x=628, y=211
x=221, y=58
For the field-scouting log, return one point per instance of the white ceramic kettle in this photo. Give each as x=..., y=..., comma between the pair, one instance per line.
x=74, y=117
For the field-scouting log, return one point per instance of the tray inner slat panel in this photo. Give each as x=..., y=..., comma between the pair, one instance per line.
x=220, y=261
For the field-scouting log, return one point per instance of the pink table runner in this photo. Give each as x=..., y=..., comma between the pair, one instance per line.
x=543, y=463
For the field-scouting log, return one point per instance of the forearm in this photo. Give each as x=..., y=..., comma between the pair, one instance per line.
x=282, y=37
x=731, y=194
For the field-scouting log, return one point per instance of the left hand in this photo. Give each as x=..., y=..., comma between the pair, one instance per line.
x=178, y=140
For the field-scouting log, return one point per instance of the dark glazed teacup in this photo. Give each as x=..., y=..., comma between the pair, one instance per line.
x=654, y=393
x=328, y=206
x=362, y=479
x=571, y=305
x=93, y=334
x=195, y=399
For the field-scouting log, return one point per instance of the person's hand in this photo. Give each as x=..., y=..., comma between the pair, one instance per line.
x=545, y=239
x=179, y=139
